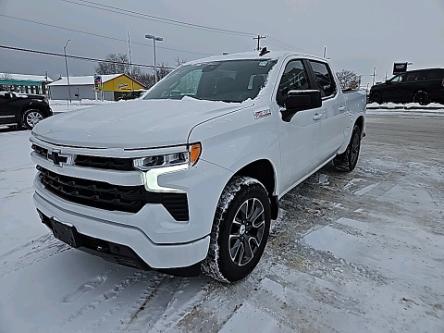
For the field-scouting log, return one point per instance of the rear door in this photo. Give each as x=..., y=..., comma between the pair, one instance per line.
x=333, y=112
x=297, y=137
x=7, y=112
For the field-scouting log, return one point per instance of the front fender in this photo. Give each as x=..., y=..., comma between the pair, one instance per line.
x=240, y=138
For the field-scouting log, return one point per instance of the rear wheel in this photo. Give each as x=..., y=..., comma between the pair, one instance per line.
x=240, y=230
x=422, y=98
x=347, y=161
x=32, y=117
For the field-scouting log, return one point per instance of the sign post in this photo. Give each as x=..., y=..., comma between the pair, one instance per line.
x=97, y=84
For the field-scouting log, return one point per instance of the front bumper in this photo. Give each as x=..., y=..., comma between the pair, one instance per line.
x=154, y=255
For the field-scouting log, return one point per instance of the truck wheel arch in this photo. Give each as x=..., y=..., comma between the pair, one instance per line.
x=264, y=171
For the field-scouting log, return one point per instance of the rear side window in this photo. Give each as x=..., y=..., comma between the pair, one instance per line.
x=435, y=75
x=294, y=78
x=324, y=78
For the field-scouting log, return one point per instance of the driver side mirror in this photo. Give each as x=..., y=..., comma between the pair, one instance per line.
x=300, y=100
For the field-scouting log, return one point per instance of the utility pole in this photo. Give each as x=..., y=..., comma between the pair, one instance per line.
x=129, y=49
x=325, y=52
x=130, y=61
x=374, y=75
x=67, y=72
x=158, y=39
x=259, y=37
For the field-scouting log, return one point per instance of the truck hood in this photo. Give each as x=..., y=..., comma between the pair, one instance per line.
x=132, y=124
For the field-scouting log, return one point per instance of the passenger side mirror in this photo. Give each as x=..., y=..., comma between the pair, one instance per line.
x=300, y=100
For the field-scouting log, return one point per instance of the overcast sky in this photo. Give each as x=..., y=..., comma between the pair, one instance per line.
x=359, y=34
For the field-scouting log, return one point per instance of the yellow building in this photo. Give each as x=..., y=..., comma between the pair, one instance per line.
x=122, y=85
x=112, y=87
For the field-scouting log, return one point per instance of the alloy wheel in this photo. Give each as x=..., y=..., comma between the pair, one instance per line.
x=247, y=231
x=32, y=118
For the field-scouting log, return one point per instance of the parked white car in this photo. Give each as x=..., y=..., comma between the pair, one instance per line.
x=190, y=176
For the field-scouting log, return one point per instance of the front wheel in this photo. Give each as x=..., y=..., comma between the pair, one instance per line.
x=32, y=117
x=421, y=97
x=240, y=230
x=377, y=98
x=347, y=161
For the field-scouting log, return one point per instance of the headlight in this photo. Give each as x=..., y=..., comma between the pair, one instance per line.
x=154, y=166
x=188, y=157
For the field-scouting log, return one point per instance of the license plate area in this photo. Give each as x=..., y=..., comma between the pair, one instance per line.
x=65, y=233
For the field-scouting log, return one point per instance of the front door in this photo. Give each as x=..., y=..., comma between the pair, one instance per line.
x=7, y=113
x=297, y=137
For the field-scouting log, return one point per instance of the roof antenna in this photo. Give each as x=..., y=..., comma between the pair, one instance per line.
x=263, y=52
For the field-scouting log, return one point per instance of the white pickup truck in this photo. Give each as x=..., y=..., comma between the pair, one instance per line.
x=190, y=176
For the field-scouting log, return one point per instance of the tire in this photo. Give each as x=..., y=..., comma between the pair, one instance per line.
x=31, y=117
x=421, y=97
x=235, y=226
x=347, y=161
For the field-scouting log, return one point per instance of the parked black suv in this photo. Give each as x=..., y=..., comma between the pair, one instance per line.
x=420, y=86
x=23, y=110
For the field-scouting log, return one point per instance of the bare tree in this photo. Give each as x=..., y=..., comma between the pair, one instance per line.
x=118, y=64
x=349, y=80
x=162, y=71
x=180, y=61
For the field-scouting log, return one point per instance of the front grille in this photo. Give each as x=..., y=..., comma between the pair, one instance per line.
x=93, y=193
x=123, y=164
x=112, y=197
x=40, y=151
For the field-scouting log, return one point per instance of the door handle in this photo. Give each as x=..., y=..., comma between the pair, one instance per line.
x=341, y=109
x=317, y=116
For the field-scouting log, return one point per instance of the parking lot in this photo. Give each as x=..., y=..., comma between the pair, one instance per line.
x=358, y=252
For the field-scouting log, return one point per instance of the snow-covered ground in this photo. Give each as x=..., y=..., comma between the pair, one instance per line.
x=359, y=252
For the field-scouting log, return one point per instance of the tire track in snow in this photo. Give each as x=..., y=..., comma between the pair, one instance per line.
x=123, y=309
x=162, y=310
x=109, y=295
x=33, y=252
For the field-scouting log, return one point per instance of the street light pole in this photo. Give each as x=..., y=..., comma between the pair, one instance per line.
x=155, y=39
x=66, y=66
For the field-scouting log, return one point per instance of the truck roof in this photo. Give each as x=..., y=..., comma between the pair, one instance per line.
x=255, y=55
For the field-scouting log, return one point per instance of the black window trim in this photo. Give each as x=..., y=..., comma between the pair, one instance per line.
x=311, y=83
x=331, y=74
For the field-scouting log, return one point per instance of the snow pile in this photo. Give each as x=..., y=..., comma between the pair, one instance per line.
x=406, y=106
x=58, y=106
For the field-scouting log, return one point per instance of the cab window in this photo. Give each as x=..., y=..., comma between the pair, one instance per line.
x=294, y=78
x=324, y=78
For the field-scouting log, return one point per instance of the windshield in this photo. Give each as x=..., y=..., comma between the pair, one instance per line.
x=228, y=81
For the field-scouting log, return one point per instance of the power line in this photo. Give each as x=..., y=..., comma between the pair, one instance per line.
x=127, y=12
x=96, y=34
x=7, y=47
